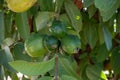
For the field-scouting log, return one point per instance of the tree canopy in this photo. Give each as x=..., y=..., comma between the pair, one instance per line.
x=60, y=39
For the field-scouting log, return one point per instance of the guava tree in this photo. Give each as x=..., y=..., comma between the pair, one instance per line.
x=60, y=39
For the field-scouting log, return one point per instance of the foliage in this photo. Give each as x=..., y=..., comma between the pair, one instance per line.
x=80, y=40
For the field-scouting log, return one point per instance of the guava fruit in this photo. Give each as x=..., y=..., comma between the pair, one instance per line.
x=34, y=45
x=71, y=44
x=58, y=29
x=20, y=5
x=51, y=42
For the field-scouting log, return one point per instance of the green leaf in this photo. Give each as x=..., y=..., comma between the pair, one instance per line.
x=46, y=5
x=64, y=18
x=33, y=11
x=2, y=27
x=100, y=35
x=32, y=68
x=107, y=37
x=8, y=54
x=118, y=22
x=8, y=24
x=45, y=78
x=66, y=77
x=84, y=63
x=74, y=15
x=91, y=10
x=59, y=4
x=107, y=8
x=8, y=42
x=66, y=64
x=87, y=3
x=61, y=70
x=84, y=75
x=94, y=72
x=1, y=72
x=115, y=58
x=83, y=55
x=90, y=32
x=42, y=19
x=102, y=53
x=22, y=25
x=19, y=53
x=83, y=38
x=5, y=57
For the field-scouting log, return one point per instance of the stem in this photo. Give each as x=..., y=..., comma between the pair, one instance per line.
x=56, y=66
x=58, y=14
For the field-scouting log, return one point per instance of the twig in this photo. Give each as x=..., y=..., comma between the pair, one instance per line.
x=56, y=66
x=58, y=14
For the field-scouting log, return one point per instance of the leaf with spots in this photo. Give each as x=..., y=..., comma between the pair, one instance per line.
x=74, y=14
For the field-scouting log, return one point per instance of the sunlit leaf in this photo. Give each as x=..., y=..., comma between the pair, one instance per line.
x=33, y=68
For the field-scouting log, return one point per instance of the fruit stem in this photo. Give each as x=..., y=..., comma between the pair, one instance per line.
x=56, y=66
